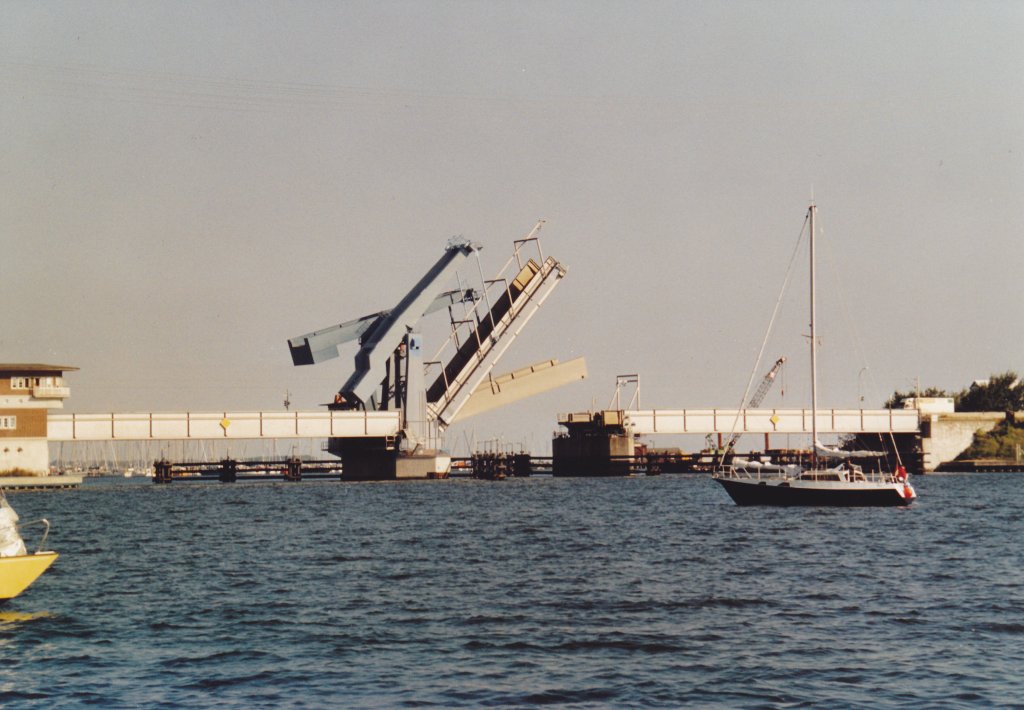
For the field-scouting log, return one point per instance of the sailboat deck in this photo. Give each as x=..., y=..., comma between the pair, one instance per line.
x=775, y=473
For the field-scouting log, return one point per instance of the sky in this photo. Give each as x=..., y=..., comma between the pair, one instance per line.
x=187, y=185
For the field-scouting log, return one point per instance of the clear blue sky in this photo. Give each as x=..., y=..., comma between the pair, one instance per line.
x=186, y=185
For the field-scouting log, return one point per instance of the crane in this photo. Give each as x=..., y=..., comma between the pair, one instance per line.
x=755, y=400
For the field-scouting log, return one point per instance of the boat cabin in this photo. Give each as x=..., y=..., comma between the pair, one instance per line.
x=845, y=472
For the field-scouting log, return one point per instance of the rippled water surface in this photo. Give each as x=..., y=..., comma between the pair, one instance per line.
x=575, y=593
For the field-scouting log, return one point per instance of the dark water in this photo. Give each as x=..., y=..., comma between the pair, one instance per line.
x=638, y=592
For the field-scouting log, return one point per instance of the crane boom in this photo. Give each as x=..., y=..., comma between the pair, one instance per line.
x=762, y=390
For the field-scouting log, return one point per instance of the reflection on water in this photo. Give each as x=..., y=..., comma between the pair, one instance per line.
x=14, y=617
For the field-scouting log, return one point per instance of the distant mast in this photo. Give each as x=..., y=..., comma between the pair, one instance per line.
x=814, y=364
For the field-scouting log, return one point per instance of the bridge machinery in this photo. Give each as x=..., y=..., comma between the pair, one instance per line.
x=391, y=373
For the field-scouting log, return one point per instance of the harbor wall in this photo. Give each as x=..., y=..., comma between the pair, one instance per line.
x=31, y=455
x=946, y=436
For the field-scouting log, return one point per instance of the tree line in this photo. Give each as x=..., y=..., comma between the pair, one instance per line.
x=1000, y=393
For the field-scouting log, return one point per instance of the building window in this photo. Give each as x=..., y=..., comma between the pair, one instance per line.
x=8, y=422
x=27, y=383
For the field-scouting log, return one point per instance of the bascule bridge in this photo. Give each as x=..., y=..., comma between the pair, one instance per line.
x=392, y=373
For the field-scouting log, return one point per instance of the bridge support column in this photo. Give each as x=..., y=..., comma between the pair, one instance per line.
x=373, y=459
x=597, y=444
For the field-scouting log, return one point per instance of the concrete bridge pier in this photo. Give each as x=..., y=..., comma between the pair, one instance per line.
x=596, y=444
x=946, y=436
x=365, y=459
x=381, y=459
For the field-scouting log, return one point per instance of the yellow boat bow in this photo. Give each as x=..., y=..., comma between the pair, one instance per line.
x=17, y=573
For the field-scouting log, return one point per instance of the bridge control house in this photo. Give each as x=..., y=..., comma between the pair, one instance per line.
x=27, y=392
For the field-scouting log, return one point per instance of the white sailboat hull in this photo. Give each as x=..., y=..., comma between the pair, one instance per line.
x=810, y=492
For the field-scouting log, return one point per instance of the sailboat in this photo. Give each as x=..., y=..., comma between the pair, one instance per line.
x=840, y=484
x=18, y=567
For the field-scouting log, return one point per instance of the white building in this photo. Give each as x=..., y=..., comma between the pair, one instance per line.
x=930, y=405
x=27, y=392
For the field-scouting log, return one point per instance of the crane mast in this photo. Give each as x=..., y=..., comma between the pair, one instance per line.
x=755, y=400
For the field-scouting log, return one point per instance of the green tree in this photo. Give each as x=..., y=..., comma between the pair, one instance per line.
x=1000, y=443
x=898, y=398
x=1002, y=393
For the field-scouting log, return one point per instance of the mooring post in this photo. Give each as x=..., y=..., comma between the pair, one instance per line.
x=228, y=471
x=294, y=472
x=162, y=471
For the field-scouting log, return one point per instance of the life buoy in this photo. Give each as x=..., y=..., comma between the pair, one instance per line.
x=908, y=492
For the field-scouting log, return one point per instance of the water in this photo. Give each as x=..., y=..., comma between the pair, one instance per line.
x=653, y=592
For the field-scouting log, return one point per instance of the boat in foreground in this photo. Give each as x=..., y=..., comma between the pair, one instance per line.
x=18, y=567
x=17, y=573
x=843, y=484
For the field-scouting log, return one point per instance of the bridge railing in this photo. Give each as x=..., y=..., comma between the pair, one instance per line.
x=221, y=425
x=770, y=421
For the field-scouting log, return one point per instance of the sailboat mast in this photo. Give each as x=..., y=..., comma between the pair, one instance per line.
x=814, y=362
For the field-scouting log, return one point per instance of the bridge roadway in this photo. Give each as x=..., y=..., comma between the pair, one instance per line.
x=221, y=425
x=357, y=424
x=771, y=421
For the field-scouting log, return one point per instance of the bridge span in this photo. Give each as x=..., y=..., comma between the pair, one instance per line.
x=770, y=421
x=222, y=425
